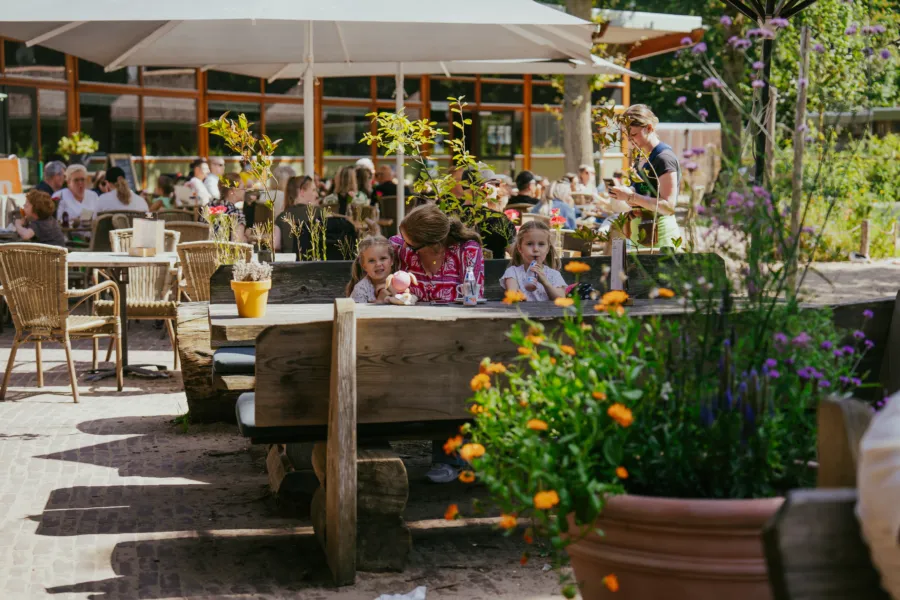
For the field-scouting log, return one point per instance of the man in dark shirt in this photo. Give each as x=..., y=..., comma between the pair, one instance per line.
x=526, y=184
x=54, y=177
x=384, y=184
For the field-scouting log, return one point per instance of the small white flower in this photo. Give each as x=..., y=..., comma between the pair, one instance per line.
x=666, y=390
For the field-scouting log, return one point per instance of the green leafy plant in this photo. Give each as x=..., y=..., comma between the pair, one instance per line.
x=77, y=144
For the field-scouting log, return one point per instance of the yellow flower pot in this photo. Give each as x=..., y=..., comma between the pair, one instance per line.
x=251, y=297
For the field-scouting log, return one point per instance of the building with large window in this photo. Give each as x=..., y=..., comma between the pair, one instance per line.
x=154, y=114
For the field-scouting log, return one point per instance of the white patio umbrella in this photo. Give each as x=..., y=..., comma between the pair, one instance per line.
x=285, y=33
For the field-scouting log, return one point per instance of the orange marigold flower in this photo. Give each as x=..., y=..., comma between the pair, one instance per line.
x=524, y=351
x=611, y=582
x=614, y=297
x=507, y=521
x=546, y=500
x=535, y=330
x=552, y=361
x=470, y=451
x=452, y=512
x=600, y=396
x=496, y=368
x=524, y=560
x=528, y=536
x=537, y=425
x=564, y=302
x=480, y=382
x=576, y=267
x=467, y=476
x=513, y=297
x=452, y=444
x=477, y=409
x=621, y=472
x=567, y=350
x=621, y=414
x=618, y=310
x=535, y=339
x=665, y=293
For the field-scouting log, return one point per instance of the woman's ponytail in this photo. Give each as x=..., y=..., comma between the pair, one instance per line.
x=123, y=192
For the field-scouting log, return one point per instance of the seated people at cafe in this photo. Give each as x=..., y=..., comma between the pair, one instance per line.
x=230, y=191
x=164, y=196
x=75, y=200
x=497, y=231
x=199, y=173
x=301, y=200
x=39, y=224
x=385, y=184
x=345, y=192
x=54, y=177
x=304, y=212
x=216, y=170
x=99, y=184
x=122, y=197
x=527, y=186
x=364, y=182
x=558, y=197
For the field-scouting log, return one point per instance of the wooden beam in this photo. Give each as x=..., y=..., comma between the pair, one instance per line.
x=662, y=44
x=340, y=530
x=202, y=112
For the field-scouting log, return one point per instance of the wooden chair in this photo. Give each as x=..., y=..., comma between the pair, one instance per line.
x=175, y=215
x=199, y=261
x=34, y=279
x=190, y=232
x=387, y=206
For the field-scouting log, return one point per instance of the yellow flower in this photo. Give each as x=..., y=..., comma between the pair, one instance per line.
x=620, y=414
x=470, y=451
x=615, y=297
x=476, y=409
x=600, y=307
x=452, y=444
x=665, y=293
x=524, y=351
x=564, y=302
x=496, y=368
x=611, y=582
x=577, y=267
x=621, y=472
x=567, y=350
x=513, y=297
x=535, y=339
x=546, y=500
x=467, y=476
x=480, y=382
x=507, y=521
x=452, y=512
x=599, y=396
x=537, y=425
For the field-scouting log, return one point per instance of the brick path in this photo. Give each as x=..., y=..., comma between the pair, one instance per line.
x=110, y=499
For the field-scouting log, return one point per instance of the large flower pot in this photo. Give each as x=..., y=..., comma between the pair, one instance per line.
x=676, y=549
x=251, y=297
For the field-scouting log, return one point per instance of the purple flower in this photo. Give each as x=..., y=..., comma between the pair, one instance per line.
x=802, y=82
x=682, y=100
x=780, y=338
x=819, y=48
x=713, y=82
x=779, y=23
x=844, y=379
x=762, y=33
x=686, y=41
x=691, y=166
x=741, y=43
x=759, y=65
x=725, y=21
x=687, y=154
x=850, y=30
x=878, y=29
x=761, y=192
x=868, y=52
x=789, y=362
x=699, y=48
x=805, y=373
x=867, y=30
x=774, y=374
x=868, y=314
x=758, y=84
x=808, y=230
x=824, y=383
x=848, y=350
x=771, y=363
x=885, y=54
x=859, y=335
x=826, y=345
x=869, y=344
x=838, y=353
x=703, y=114
x=735, y=200
x=856, y=381
x=698, y=151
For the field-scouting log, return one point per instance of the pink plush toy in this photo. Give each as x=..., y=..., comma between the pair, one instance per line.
x=398, y=284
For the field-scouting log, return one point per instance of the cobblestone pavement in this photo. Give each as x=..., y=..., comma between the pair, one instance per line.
x=110, y=499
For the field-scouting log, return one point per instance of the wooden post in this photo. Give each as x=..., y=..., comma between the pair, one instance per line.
x=690, y=224
x=771, y=122
x=340, y=531
x=864, y=237
x=799, y=149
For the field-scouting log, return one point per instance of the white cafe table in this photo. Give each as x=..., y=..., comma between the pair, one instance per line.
x=116, y=265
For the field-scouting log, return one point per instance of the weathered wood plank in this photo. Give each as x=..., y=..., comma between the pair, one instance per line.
x=890, y=366
x=841, y=425
x=340, y=495
x=382, y=481
x=814, y=549
x=873, y=366
x=234, y=383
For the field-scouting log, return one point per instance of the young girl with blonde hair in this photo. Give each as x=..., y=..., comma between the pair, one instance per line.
x=534, y=268
x=374, y=262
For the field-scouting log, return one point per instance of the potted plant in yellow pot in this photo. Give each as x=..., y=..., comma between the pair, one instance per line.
x=251, y=282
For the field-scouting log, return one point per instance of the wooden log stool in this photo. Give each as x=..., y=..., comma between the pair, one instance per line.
x=291, y=478
x=383, y=541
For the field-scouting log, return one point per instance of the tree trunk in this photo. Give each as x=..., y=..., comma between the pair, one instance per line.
x=578, y=145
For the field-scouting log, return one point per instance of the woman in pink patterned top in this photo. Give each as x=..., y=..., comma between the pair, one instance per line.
x=438, y=250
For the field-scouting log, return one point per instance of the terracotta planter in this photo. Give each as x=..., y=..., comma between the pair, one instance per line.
x=251, y=297
x=677, y=549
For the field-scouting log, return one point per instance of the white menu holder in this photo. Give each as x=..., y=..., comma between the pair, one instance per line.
x=149, y=237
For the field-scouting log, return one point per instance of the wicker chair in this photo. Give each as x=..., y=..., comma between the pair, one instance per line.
x=176, y=215
x=100, y=229
x=199, y=260
x=152, y=290
x=190, y=232
x=34, y=281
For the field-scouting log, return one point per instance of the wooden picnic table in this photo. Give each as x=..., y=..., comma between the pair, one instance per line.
x=228, y=329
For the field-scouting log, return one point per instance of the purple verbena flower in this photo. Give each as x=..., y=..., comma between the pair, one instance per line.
x=789, y=362
x=859, y=335
x=698, y=151
x=878, y=29
x=867, y=30
x=759, y=65
x=758, y=84
x=869, y=344
x=725, y=21
x=868, y=314
x=851, y=30
x=761, y=33
x=703, y=114
x=779, y=23
x=734, y=200
x=742, y=44
x=824, y=383
x=826, y=345
x=848, y=350
x=838, y=353
x=856, y=381
x=808, y=230
x=844, y=379
x=804, y=373
x=761, y=192
x=819, y=48
x=713, y=82
x=681, y=101
x=686, y=41
x=885, y=54
x=699, y=48
x=691, y=166
x=773, y=374
x=687, y=154
x=780, y=338
x=771, y=363
x=802, y=82
x=868, y=52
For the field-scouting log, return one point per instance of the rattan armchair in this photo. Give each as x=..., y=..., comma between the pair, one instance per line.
x=199, y=260
x=152, y=290
x=34, y=280
x=190, y=232
x=177, y=215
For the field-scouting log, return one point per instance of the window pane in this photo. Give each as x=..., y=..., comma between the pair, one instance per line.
x=544, y=94
x=229, y=82
x=441, y=118
x=88, y=71
x=605, y=95
x=441, y=89
x=499, y=136
x=170, y=77
x=170, y=126
x=285, y=122
x=347, y=87
x=216, y=108
x=36, y=61
x=110, y=119
x=546, y=133
x=54, y=124
x=343, y=127
x=501, y=93
x=22, y=113
x=288, y=87
x=386, y=87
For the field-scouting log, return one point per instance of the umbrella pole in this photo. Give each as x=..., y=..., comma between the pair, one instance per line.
x=309, y=113
x=401, y=176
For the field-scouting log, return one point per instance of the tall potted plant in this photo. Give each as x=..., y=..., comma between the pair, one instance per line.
x=77, y=148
